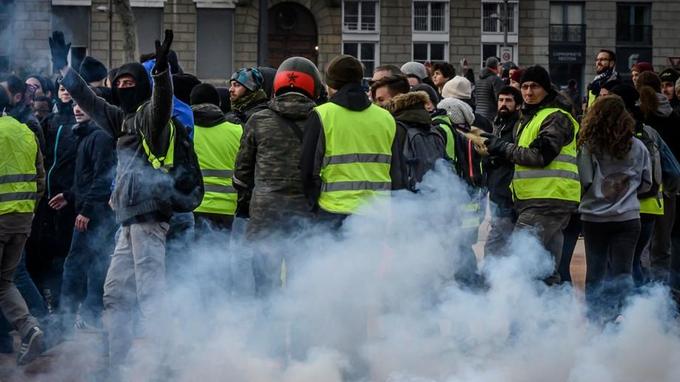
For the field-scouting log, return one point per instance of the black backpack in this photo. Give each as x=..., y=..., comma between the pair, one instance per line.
x=186, y=172
x=422, y=149
x=468, y=162
x=643, y=135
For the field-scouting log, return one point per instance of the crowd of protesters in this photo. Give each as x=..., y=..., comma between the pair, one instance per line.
x=104, y=169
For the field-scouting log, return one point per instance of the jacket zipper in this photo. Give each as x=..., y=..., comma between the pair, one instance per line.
x=54, y=163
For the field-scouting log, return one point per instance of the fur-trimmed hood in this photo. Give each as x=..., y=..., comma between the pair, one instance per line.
x=410, y=108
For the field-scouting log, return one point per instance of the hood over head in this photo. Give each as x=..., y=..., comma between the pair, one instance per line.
x=410, y=107
x=131, y=98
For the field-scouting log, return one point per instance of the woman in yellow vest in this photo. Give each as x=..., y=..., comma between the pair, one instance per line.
x=545, y=184
x=614, y=168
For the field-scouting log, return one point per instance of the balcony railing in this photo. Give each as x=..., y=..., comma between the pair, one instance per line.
x=568, y=33
x=633, y=34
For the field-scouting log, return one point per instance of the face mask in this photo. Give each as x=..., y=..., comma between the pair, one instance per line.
x=128, y=98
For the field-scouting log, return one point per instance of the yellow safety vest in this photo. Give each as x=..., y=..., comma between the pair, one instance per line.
x=470, y=211
x=356, y=164
x=161, y=162
x=18, y=174
x=216, y=148
x=559, y=179
x=652, y=205
x=591, y=98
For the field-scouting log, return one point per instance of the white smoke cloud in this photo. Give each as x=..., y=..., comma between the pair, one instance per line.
x=378, y=303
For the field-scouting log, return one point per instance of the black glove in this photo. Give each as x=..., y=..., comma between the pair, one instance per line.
x=162, y=51
x=59, y=50
x=493, y=144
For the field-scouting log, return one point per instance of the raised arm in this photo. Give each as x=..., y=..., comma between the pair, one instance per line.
x=107, y=116
x=156, y=115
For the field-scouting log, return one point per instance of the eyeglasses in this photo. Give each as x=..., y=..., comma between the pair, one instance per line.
x=602, y=59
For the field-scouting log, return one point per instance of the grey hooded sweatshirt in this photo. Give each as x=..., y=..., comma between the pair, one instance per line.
x=611, y=185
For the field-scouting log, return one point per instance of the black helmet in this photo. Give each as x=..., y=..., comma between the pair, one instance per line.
x=300, y=75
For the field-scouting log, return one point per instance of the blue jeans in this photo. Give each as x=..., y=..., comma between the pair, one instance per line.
x=85, y=269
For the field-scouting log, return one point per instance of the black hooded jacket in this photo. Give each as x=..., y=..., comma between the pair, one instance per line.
x=141, y=192
x=353, y=97
x=95, y=166
x=500, y=170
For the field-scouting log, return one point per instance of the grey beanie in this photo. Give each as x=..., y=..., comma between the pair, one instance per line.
x=413, y=68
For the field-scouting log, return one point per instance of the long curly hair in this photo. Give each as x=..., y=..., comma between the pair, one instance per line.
x=607, y=128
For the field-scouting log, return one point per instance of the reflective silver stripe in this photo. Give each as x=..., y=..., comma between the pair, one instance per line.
x=533, y=174
x=16, y=178
x=217, y=173
x=566, y=158
x=357, y=158
x=220, y=189
x=32, y=196
x=356, y=186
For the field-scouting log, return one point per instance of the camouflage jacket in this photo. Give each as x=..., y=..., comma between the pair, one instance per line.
x=267, y=165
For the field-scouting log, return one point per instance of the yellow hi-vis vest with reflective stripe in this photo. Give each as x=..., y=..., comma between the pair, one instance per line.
x=559, y=179
x=216, y=148
x=445, y=123
x=18, y=175
x=356, y=164
x=652, y=205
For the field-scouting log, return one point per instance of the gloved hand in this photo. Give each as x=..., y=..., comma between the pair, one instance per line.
x=162, y=51
x=493, y=144
x=59, y=49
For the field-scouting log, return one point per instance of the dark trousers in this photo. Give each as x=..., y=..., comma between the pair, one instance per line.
x=660, y=253
x=502, y=223
x=571, y=234
x=549, y=229
x=85, y=269
x=674, y=261
x=647, y=223
x=610, y=248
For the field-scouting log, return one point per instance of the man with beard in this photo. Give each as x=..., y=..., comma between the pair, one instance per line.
x=605, y=62
x=142, y=196
x=19, y=107
x=545, y=182
x=246, y=95
x=499, y=173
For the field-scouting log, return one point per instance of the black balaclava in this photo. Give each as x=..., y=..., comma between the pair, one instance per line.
x=129, y=99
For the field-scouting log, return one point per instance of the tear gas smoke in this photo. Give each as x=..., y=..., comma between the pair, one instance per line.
x=377, y=302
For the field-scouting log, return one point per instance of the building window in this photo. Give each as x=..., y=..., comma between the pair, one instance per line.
x=214, y=31
x=633, y=24
x=633, y=35
x=493, y=14
x=430, y=16
x=430, y=51
x=364, y=52
x=5, y=48
x=74, y=22
x=566, y=23
x=359, y=16
x=149, y=22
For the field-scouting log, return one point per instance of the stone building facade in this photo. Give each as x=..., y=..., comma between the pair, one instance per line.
x=215, y=37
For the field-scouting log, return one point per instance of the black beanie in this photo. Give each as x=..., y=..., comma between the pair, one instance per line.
x=628, y=93
x=669, y=75
x=204, y=93
x=92, y=70
x=183, y=84
x=343, y=70
x=537, y=74
x=431, y=93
